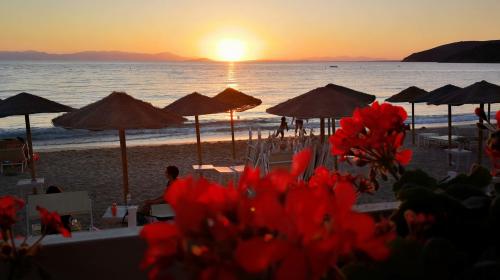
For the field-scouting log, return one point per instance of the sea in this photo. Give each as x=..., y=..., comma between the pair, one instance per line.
x=79, y=83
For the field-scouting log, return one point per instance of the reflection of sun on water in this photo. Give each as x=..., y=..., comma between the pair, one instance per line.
x=231, y=50
x=231, y=80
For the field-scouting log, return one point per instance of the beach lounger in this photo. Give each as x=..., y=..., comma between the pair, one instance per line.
x=65, y=203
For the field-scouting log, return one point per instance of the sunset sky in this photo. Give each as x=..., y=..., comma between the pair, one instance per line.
x=272, y=29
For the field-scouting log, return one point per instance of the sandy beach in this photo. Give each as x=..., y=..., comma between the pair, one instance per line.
x=99, y=172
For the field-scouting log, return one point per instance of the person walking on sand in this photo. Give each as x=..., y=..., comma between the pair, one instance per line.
x=281, y=128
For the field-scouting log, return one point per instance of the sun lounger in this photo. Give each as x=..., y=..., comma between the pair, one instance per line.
x=65, y=203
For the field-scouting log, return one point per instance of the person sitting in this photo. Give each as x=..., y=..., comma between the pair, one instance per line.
x=281, y=128
x=65, y=219
x=171, y=173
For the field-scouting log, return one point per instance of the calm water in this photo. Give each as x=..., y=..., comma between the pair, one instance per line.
x=78, y=84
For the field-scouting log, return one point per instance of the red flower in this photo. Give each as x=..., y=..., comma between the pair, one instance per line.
x=300, y=162
x=257, y=254
x=52, y=222
x=9, y=205
x=163, y=241
x=374, y=135
x=274, y=226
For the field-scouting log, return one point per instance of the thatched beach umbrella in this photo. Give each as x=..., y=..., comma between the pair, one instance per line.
x=330, y=101
x=409, y=95
x=27, y=104
x=434, y=97
x=477, y=93
x=196, y=104
x=118, y=111
x=239, y=102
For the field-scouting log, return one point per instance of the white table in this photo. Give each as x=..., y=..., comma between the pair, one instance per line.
x=460, y=153
x=26, y=186
x=108, y=218
x=201, y=168
x=224, y=170
x=238, y=168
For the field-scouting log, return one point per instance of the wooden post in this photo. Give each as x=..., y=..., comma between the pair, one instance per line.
x=232, y=134
x=413, y=123
x=30, y=147
x=480, y=136
x=322, y=129
x=123, y=147
x=329, y=127
x=489, y=111
x=198, y=141
x=449, y=134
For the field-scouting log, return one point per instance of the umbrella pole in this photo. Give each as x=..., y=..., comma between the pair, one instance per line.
x=489, y=111
x=329, y=127
x=30, y=147
x=480, y=136
x=449, y=134
x=335, y=162
x=123, y=147
x=232, y=134
x=413, y=123
x=198, y=141
x=322, y=129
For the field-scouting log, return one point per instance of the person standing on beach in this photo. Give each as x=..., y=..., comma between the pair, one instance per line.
x=299, y=127
x=281, y=128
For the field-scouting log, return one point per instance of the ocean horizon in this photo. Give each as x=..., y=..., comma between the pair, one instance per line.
x=78, y=83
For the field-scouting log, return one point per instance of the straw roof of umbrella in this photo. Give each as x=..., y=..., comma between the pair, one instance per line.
x=480, y=92
x=118, y=111
x=323, y=102
x=196, y=104
x=437, y=94
x=26, y=104
x=237, y=100
x=407, y=95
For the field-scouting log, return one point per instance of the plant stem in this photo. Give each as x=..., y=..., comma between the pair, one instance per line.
x=393, y=173
x=11, y=236
x=36, y=243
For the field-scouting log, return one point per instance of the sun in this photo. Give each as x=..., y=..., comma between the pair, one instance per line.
x=231, y=50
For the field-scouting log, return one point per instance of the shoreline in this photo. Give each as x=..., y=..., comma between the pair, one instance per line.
x=207, y=137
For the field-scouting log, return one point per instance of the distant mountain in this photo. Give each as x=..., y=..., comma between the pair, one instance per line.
x=463, y=52
x=94, y=56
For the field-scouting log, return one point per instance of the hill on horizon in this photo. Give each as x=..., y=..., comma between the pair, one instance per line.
x=94, y=56
x=460, y=52
x=144, y=57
